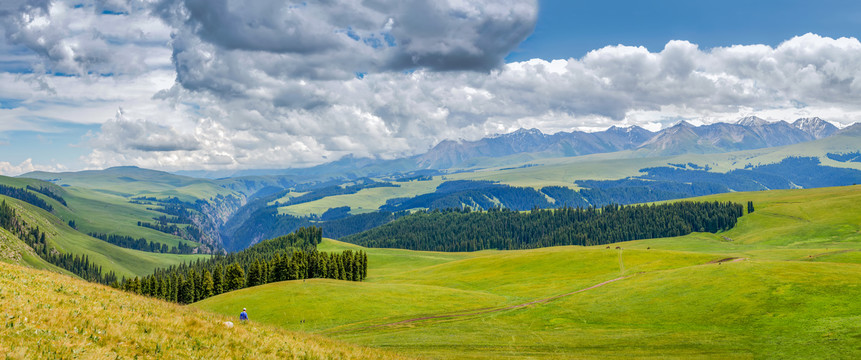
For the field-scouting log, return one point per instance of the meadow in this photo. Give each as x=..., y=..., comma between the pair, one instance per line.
x=51, y=316
x=122, y=261
x=782, y=284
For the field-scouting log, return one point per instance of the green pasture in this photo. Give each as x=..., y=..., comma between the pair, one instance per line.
x=125, y=262
x=787, y=288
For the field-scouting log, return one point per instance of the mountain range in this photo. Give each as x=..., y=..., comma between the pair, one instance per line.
x=682, y=138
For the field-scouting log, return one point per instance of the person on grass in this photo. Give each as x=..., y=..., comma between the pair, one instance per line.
x=243, y=316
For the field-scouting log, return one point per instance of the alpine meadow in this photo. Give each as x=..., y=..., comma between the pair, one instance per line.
x=477, y=179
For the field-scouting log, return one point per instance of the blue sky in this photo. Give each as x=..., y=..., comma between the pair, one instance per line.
x=573, y=28
x=173, y=85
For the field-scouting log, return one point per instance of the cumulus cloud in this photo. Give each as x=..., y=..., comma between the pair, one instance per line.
x=346, y=37
x=9, y=169
x=87, y=37
x=122, y=134
x=227, y=83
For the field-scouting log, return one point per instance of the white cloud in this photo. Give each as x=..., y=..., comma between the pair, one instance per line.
x=9, y=169
x=215, y=84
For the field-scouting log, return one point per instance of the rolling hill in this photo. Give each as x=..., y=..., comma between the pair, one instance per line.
x=782, y=284
x=47, y=315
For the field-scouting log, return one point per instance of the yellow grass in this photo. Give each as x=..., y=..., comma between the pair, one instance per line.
x=48, y=315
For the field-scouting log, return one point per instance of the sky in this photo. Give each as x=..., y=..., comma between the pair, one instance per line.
x=229, y=84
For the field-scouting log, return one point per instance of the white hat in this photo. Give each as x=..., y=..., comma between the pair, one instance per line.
x=243, y=309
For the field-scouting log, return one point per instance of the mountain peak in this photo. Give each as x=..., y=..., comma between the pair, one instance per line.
x=815, y=126
x=751, y=121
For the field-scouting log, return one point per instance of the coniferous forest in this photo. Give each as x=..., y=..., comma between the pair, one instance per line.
x=35, y=238
x=290, y=257
x=465, y=230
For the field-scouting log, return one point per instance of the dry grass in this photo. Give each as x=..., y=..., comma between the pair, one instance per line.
x=49, y=315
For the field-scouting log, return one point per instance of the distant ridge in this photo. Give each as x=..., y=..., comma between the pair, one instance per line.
x=746, y=133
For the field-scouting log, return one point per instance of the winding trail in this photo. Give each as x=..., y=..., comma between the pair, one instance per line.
x=481, y=311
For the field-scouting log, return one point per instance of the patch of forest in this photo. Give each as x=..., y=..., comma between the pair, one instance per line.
x=335, y=223
x=142, y=244
x=47, y=191
x=845, y=157
x=26, y=196
x=504, y=229
x=333, y=190
x=290, y=257
x=36, y=239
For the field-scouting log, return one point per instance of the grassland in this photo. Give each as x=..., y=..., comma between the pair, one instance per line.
x=124, y=262
x=789, y=290
x=97, y=211
x=50, y=316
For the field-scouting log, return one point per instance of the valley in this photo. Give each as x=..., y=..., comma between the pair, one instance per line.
x=775, y=279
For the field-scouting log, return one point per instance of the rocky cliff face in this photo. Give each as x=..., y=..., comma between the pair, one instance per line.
x=213, y=214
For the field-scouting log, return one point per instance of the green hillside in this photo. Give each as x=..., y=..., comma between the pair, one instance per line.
x=124, y=262
x=50, y=316
x=782, y=284
x=132, y=181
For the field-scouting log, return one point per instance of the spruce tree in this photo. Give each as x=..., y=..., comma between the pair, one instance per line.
x=208, y=284
x=217, y=280
x=235, y=277
x=198, y=286
x=186, y=291
x=364, y=265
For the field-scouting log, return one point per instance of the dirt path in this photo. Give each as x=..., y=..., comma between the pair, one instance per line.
x=482, y=311
x=729, y=259
x=828, y=253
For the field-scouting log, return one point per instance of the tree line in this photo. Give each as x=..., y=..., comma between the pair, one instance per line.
x=499, y=228
x=26, y=196
x=142, y=244
x=36, y=239
x=44, y=190
x=290, y=257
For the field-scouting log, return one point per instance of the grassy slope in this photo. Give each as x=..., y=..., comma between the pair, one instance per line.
x=15, y=251
x=46, y=315
x=794, y=295
x=101, y=212
x=130, y=181
x=124, y=262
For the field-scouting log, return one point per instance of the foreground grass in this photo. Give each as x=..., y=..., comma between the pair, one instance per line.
x=48, y=315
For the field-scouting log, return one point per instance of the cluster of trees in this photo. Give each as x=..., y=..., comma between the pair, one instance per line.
x=188, y=232
x=49, y=193
x=142, y=244
x=474, y=194
x=179, y=213
x=265, y=222
x=845, y=157
x=335, y=189
x=36, y=239
x=290, y=257
x=465, y=230
x=26, y=196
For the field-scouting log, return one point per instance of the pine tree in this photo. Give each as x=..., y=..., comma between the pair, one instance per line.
x=217, y=280
x=235, y=277
x=198, y=286
x=208, y=284
x=749, y=207
x=364, y=265
x=189, y=288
